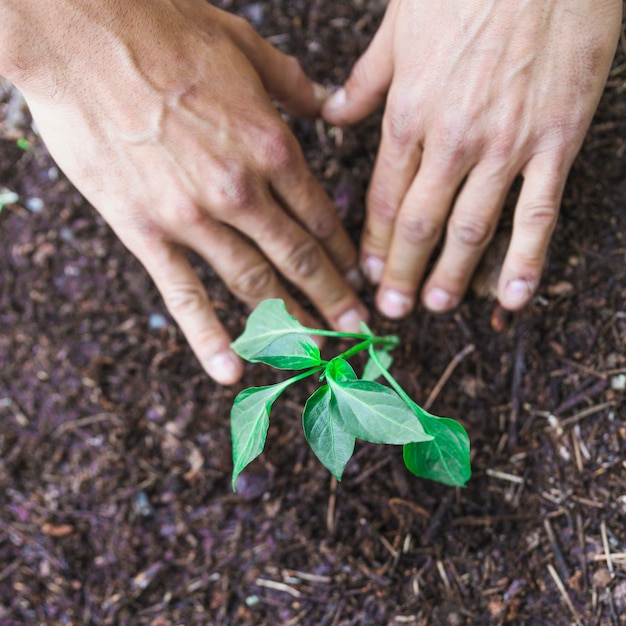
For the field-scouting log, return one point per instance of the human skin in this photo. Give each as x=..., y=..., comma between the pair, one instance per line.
x=161, y=114
x=476, y=93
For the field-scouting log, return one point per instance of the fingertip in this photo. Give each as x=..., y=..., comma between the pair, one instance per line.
x=334, y=106
x=517, y=293
x=225, y=368
x=394, y=304
x=350, y=321
x=438, y=300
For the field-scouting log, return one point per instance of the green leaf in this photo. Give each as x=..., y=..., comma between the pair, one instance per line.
x=332, y=445
x=289, y=352
x=372, y=370
x=446, y=458
x=249, y=421
x=275, y=337
x=369, y=410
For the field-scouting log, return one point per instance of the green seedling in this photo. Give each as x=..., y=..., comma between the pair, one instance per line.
x=345, y=407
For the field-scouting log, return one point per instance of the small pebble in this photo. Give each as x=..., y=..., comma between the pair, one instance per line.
x=35, y=205
x=156, y=321
x=618, y=383
x=143, y=505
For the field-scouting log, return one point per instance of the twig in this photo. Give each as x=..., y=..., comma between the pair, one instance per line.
x=605, y=545
x=436, y=520
x=581, y=396
x=85, y=421
x=582, y=553
x=582, y=414
x=444, y=575
x=563, y=591
x=278, y=586
x=516, y=384
x=611, y=556
x=332, y=501
x=447, y=373
x=512, y=478
x=556, y=549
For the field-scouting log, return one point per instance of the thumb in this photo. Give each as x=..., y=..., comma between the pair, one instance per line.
x=281, y=74
x=368, y=83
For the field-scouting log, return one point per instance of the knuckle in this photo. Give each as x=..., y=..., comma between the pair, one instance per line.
x=540, y=215
x=235, y=189
x=253, y=283
x=294, y=70
x=188, y=214
x=418, y=229
x=243, y=26
x=380, y=205
x=185, y=299
x=503, y=144
x=474, y=232
x=304, y=260
x=277, y=150
x=324, y=224
x=398, y=125
x=454, y=145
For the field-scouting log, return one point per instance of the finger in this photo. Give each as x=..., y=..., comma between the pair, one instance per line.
x=470, y=228
x=281, y=74
x=300, y=193
x=245, y=271
x=369, y=80
x=187, y=301
x=302, y=260
x=417, y=230
x=534, y=221
x=397, y=162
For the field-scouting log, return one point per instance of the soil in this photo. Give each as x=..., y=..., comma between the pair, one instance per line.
x=115, y=463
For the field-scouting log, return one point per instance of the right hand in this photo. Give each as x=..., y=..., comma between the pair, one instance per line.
x=160, y=114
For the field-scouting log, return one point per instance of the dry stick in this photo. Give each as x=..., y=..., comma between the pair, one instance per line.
x=516, y=384
x=558, y=555
x=584, y=413
x=613, y=556
x=581, y=543
x=332, y=501
x=605, y=545
x=278, y=586
x=563, y=591
x=447, y=373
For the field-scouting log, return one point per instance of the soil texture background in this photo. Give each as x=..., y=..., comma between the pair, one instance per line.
x=115, y=454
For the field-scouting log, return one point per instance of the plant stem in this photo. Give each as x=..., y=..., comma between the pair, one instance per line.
x=334, y=333
x=390, y=379
x=364, y=345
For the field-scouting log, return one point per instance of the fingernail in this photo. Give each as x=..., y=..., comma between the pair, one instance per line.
x=225, y=368
x=518, y=292
x=438, y=300
x=373, y=269
x=336, y=102
x=350, y=322
x=354, y=278
x=320, y=92
x=395, y=304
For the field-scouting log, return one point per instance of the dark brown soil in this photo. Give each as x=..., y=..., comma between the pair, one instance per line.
x=115, y=462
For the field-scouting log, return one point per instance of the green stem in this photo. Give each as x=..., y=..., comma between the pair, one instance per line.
x=390, y=379
x=305, y=374
x=334, y=333
x=364, y=345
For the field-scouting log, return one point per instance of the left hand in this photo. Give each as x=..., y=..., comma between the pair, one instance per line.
x=476, y=94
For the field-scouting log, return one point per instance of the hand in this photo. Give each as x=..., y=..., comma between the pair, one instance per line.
x=160, y=113
x=476, y=94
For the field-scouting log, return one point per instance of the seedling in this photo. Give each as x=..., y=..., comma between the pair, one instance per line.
x=345, y=407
